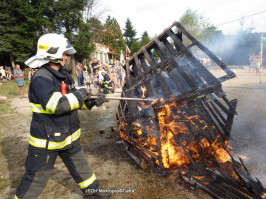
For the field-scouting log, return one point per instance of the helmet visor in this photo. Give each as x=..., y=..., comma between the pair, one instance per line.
x=69, y=49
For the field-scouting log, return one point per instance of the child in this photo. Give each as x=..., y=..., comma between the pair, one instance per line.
x=95, y=81
x=115, y=79
x=87, y=80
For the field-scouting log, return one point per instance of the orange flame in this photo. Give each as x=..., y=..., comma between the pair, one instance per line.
x=144, y=90
x=171, y=153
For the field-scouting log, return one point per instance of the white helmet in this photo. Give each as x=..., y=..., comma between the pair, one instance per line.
x=50, y=47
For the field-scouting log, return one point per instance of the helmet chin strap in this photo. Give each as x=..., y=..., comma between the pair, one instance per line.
x=59, y=65
x=57, y=62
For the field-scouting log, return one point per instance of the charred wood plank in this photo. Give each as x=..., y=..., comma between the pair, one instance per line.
x=208, y=77
x=207, y=51
x=230, y=116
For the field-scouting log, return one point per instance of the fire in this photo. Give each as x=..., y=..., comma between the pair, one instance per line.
x=171, y=154
x=174, y=154
x=199, y=177
x=222, y=154
x=139, y=132
x=144, y=90
x=173, y=150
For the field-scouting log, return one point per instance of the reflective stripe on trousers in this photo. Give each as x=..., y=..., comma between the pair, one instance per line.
x=41, y=143
x=86, y=183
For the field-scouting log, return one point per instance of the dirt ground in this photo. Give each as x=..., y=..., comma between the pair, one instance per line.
x=113, y=167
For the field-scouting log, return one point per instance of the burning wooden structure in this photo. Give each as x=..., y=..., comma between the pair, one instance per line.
x=187, y=127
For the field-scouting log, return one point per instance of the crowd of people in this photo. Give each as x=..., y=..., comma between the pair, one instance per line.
x=101, y=77
x=7, y=74
x=98, y=77
x=255, y=63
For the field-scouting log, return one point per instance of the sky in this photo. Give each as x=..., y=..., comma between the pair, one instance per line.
x=154, y=16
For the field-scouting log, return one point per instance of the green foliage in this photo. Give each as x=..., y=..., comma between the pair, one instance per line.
x=130, y=33
x=135, y=47
x=193, y=22
x=22, y=22
x=14, y=35
x=83, y=42
x=68, y=14
x=112, y=35
x=145, y=39
x=198, y=26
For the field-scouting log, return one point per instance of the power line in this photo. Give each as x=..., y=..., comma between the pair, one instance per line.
x=241, y=18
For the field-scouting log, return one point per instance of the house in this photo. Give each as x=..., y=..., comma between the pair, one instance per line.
x=103, y=53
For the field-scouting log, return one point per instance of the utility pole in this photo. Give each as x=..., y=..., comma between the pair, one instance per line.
x=261, y=53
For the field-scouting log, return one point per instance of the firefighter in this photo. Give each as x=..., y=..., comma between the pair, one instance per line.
x=106, y=84
x=55, y=127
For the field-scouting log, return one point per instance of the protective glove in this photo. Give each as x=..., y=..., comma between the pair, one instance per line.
x=96, y=102
x=84, y=93
x=100, y=99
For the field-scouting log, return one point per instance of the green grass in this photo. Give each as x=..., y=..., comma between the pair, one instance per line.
x=9, y=90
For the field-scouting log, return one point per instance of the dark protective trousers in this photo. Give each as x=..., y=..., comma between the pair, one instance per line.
x=39, y=165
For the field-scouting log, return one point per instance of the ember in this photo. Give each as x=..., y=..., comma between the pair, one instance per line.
x=187, y=129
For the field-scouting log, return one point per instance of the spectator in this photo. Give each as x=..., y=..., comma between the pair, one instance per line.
x=8, y=73
x=122, y=76
x=95, y=82
x=3, y=74
x=19, y=77
x=90, y=68
x=111, y=63
x=79, y=73
x=115, y=78
x=85, y=69
x=100, y=72
x=118, y=75
x=258, y=67
x=87, y=78
x=94, y=65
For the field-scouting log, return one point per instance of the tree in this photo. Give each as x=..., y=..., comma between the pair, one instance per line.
x=21, y=22
x=135, y=47
x=84, y=43
x=145, y=39
x=129, y=33
x=198, y=26
x=112, y=35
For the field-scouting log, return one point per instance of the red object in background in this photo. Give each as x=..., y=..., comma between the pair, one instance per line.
x=63, y=88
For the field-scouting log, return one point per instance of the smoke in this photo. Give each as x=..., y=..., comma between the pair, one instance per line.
x=234, y=49
x=248, y=131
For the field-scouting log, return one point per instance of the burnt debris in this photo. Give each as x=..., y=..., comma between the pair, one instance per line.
x=186, y=130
